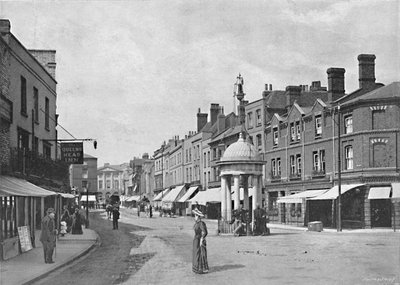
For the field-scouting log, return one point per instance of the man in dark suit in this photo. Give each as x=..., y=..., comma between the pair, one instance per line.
x=115, y=213
x=48, y=235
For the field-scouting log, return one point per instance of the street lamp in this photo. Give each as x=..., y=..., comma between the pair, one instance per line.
x=339, y=201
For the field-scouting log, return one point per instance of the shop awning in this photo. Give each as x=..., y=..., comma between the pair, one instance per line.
x=395, y=190
x=212, y=195
x=161, y=195
x=379, y=193
x=67, y=195
x=299, y=197
x=132, y=198
x=11, y=186
x=333, y=193
x=174, y=194
x=188, y=194
x=90, y=198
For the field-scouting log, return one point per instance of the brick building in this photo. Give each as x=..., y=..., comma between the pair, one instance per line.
x=29, y=164
x=302, y=153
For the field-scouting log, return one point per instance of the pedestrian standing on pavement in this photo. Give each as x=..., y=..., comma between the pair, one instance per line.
x=48, y=235
x=77, y=221
x=151, y=211
x=115, y=218
x=199, y=262
x=259, y=220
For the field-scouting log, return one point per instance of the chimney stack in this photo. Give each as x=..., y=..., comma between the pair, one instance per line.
x=47, y=58
x=292, y=94
x=366, y=71
x=201, y=120
x=5, y=28
x=335, y=83
x=214, y=111
x=266, y=92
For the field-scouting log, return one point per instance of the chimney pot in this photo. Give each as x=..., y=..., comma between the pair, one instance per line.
x=270, y=87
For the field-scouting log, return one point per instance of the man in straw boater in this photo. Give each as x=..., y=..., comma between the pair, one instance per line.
x=200, y=263
x=48, y=235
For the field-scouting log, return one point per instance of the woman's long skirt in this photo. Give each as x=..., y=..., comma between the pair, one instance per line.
x=200, y=263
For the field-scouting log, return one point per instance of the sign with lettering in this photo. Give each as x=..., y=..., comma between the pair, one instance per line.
x=72, y=152
x=24, y=238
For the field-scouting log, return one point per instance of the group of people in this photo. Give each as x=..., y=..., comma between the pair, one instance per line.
x=242, y=219
x=48, y=236
x=73, y=222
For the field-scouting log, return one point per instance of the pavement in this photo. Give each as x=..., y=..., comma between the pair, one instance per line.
x=30, y=267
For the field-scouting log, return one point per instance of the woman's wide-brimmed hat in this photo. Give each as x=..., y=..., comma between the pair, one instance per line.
x=197, y=212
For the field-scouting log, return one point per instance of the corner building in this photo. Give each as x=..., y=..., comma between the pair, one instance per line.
x=303, y=150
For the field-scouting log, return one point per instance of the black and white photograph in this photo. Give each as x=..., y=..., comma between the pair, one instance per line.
x=199, y=142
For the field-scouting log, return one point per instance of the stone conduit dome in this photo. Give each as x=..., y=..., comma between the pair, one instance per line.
x=241, y=150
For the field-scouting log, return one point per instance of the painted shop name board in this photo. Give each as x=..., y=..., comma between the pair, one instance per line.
x=72, y=153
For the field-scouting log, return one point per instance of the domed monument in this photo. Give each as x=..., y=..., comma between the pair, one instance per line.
x=240, y=159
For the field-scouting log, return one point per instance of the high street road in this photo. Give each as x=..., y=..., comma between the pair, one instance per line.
x=158, y=251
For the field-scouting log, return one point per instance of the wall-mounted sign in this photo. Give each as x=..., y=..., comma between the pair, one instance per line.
x=72, y=152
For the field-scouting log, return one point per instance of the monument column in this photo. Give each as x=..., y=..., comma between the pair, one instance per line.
x=236, y=188
x=246, y=192
x=228, y=199
x=223, y=197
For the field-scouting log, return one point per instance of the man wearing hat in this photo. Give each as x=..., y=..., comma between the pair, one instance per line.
x=48, y=235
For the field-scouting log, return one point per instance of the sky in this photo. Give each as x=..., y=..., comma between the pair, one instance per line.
x=132, y=74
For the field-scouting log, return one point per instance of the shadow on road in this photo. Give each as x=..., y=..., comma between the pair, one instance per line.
x=225, y=267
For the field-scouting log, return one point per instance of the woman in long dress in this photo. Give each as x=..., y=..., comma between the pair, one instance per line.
x=200, y=263
x=77, y=221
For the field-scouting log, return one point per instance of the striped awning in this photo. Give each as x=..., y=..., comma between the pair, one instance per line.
x=12, y=186
x=188, y=194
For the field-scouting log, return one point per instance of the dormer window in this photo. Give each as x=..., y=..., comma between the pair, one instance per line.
x=292, y=132
x=298, y=130
x=318, y=126
x=275, y=136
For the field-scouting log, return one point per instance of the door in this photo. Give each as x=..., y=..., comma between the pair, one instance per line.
x=381, y=213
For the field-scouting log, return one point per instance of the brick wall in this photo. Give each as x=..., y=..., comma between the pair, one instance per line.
x=4, y=91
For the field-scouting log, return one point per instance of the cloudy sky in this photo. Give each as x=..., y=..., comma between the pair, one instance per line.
x=134, y=73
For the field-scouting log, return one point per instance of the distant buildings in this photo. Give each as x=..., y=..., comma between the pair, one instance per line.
x=111, y=181
x=83, y=177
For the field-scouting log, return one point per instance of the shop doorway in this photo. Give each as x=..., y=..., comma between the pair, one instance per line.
x=381, y=213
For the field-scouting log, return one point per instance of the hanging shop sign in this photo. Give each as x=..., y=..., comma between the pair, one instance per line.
x=72, y=152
